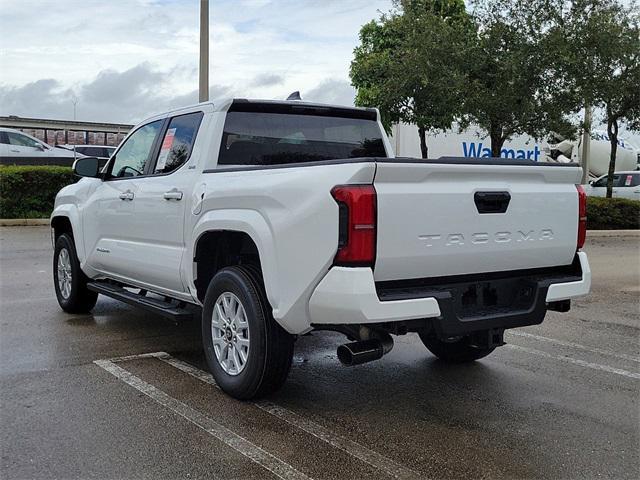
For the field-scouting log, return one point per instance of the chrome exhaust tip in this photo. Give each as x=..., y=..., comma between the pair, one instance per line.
x=357, y=353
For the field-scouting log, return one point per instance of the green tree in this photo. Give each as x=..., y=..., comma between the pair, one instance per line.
x=509, y=89
x=408, y=65
x=593, y=49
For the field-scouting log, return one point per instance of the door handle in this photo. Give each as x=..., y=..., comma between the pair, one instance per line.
x=173, y=194
x=492, y=202
x=128, y=195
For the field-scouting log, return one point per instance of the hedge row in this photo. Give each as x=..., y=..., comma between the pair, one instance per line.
x=29, y=192
x=612, y=214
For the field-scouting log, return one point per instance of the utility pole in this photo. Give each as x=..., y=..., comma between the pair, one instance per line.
x=586, y=144
x=204, y=50
x=75, y=104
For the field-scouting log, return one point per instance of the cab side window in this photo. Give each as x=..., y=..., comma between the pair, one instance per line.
x=177, y=142
x=134, y=155
x=631, y=179
x=603, y=181
x=22, y=140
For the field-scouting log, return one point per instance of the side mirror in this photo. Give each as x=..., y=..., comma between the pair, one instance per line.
x=40, y=147
x=87, y=167
x=590, y=182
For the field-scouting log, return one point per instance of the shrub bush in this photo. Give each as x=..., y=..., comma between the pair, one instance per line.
x=29, y=191
x=612, y=214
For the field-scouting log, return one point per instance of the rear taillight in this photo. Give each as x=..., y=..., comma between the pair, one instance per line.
x=582, y=216
x=357, y=225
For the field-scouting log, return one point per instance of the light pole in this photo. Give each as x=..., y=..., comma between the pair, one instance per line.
x=204, y=51
x=75, y=103
x=586, y=144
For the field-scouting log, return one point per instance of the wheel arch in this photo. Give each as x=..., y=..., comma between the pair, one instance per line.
x=65, y=219
x=225, y=238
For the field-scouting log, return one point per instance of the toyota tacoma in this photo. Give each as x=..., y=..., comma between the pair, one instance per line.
x=270, y=219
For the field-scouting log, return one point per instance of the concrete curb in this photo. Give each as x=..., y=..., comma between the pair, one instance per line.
x=23, y=222
x=612, y=233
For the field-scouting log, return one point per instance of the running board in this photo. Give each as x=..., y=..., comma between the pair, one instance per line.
x=168, y=309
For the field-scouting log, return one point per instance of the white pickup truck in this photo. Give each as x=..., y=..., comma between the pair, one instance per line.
x=271, y=219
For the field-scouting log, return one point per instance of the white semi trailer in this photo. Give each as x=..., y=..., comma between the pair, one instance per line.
x=470, y=143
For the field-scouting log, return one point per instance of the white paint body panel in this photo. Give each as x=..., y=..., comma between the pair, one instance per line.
x=429, y=226
x=566, y=291
x=348, y=295
x=292, y=218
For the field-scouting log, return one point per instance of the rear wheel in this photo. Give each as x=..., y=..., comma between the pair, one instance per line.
x=69, y=280
x=247, y=352
x=459, y=350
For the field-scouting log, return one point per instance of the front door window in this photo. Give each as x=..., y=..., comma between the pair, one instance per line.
x=134, y=155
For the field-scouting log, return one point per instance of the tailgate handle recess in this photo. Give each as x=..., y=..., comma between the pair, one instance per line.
x=492, y=202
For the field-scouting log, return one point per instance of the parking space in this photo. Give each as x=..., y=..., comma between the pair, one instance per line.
x=122, y=394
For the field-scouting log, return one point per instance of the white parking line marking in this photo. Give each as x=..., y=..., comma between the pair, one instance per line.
x=354, y=449
x=575, y=345
x=139, y=356
x=575, y=361
x=361, y=452
x=245, y=447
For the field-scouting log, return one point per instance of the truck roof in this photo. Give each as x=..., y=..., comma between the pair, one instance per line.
x=222, y=104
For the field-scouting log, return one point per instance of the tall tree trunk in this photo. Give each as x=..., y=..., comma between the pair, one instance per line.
x=497, y=140
x=586, y=144
x=422, y=132
x=612, y=130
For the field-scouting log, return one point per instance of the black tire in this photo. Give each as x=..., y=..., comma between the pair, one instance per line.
x=76, y=298
x=270, y=349
x=458, y=351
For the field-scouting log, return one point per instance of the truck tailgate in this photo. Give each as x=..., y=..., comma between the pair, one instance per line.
x=440, y=219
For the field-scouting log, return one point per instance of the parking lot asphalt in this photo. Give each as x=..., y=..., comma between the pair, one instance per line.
x=561, y=400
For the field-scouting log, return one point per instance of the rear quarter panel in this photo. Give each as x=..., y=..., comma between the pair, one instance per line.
x=293, y=219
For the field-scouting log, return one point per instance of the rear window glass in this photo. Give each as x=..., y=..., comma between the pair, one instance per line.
x=263, y=138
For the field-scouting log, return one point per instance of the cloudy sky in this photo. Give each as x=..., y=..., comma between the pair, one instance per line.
x=122, y=60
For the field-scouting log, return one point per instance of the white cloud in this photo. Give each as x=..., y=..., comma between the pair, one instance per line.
x=126, y=59
x=332, y=91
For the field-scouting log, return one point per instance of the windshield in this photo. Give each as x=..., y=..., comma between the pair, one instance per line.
x=266, y=138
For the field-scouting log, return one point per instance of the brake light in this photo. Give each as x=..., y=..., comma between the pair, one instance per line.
x=582, y=216
x=357, y=225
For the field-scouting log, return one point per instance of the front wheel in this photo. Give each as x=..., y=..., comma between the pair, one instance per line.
x=69, y=280
x=247, y=352
x=456, y=351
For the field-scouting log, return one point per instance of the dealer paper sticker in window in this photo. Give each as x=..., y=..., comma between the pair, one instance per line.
x=167, y=143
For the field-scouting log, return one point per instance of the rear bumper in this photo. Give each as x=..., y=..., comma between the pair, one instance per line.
x=577, y=288
x=350, y=296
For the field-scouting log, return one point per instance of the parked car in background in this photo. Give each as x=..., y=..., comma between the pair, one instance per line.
x=625, y=185
x=99, y=151
x=17, y=144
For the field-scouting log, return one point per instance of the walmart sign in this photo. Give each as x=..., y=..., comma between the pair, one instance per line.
x=480, y=149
